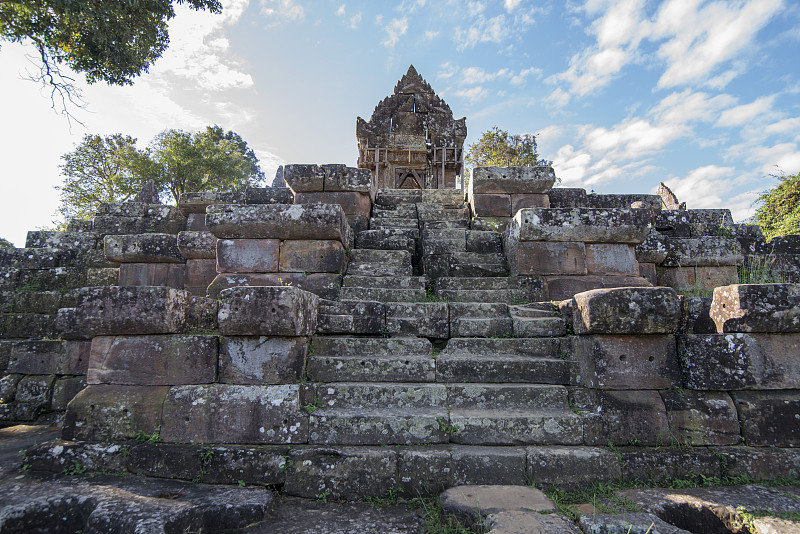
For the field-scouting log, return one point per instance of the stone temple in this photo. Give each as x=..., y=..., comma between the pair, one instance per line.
x=412, y=141
x=375, y=330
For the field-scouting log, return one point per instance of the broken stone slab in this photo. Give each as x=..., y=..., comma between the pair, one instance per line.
x=262, y=360
x=620, y=417
x=627, y=362
x=280, y=221
x=695, y=316
x=421, y=319
x=221, y=413
x=113, y=310
x=627, y=523
x=247, y=255
x=627, y=310
x=152, y=274
x=197, y=245
x=769, y=418
x=350, y=317
x=103, y=412
x=725, y=362
x=701, y=418
x=198, y=202
x=706, y=251
x=756, y=308
x=270, y=311
x=536, y=180
x=45, y=357
x=473, y=503
x=324, y=285
x=268, y=195
x=627, y=225
x=153, y=360
x=571, y=467
x=312, y=256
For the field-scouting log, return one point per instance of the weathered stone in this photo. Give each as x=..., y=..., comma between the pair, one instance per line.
x=153, y=360
x=620, y=417
x=542, y=257
x=589, y=225
x=312, y=256
x=75, y=240
x=484, y=242
x=662, y=465
x=198, y=202
x=268, y=195
x=616, y=201
x=248, y=255
x=259, y=465
x=343, y=178
x=710, y=277
x=280, y=221
x=652, y=249
x=202, y=315
x=725, y=362
x=627, y=362
x=422, y=319
x=648, y=272
x=571, y=467
x=131, y=310
x=152, y=274
x=48, y=357
x=196, y=222
x=200, y=245
x=143, y=248
x=35, y=389
x=627, y=310
x=36, y=258
x=528, y=200
x=488, y=465
x=709, y=251
x=537, y=180
x=352, y=203
x=491, y=205
x=528, y=523
x=350, y=317
x=304, y=178
x=270, y=311
x=46, y=302
x=758, y=463
x=341, y=472
x=695, y=318
x=64, y=390
x=565, y=287
x=604, y=258
x=199, y=274
x=113, y=412
x=757, y=308
x=425, y=471
x=701, y=418
x=567, y=197
x=475, y=319
x=490, y=224
x=262, y=360
x=27, y=326
x=324, y=285
x=220, y=413
x=627, y=523
x=769, y=418
x=679, y=278
x=387, y=239
x=473, y=503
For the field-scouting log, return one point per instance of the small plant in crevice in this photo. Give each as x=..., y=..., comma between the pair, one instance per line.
x=312, y=406
x=75, y=468
x=446, y=427
x=144, y=437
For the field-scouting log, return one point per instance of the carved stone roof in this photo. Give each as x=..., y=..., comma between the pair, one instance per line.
x=411, y=83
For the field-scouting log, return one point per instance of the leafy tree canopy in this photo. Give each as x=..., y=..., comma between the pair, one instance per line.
x=778, y=212
x=108, y=40
x=5, y=243
x=496, y=148
x=113, y=169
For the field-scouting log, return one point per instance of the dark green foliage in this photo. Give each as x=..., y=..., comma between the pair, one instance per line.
x=5, y=243
x=778, y=212
x=496, y=148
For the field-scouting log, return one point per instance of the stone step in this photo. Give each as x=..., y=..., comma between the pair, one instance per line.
x=454, y=223
x=449, y=198
x=473, y=368
x=396, y=197
x=484, y=295
x=467, y=283
x=378, y=426
x=511, y=427
x=372, y=368
x=403, y=211
x=449, y=240
x=388, y=239
x=380, y=224
x=382, y=294
x=383, y=395
x=538, y=326
x=386, y=282
x=538, y=347
x=435, y=212
x=467, y=264
x=477, y=319
x=386, y=257
x=484, y=396
x=379, y=269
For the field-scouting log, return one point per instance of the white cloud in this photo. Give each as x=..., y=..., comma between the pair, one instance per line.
x=341, y=11
x=394, y=30
x=473, y=75
x=282, y=11
x=687, y=107
x=355, y=20
x=473, y=94
x=784, y=157
x=446, y=70
x=571, y=166
x=519, y=78
x=632, y=138
x=430, y=35
x=784, y=126
x=511, y=5
x=746, y=112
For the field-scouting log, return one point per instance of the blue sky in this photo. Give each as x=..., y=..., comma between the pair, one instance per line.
x=623, y=94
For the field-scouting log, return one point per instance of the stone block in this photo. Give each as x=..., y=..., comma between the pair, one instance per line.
x=304, y=178
x=269, y=311
x=200, y=273
x=26, y=326
x=708, y=277
x=154, y=360
x=537, y=180
x=425, y=471
x=220, y=413
x=45, y=357
x=490, y=224
x=521, y=201
x=280, y=221
x=620, y=417
x=769, y=418
x=567, y=197
x=695, y=318
x=542, y=257
x=662, y=465
x=341, y=473
x=724, y=362
x=484, y=242
x=759, y=463
x=488, y=465
x=312, y=256
x=627, y=310
x=707, y=251
x=197, y=245
x=627, y=362
x=571, y=467
x=648, y=272
x=560, y=288
x=114, y=310
x=448, y=198
x=756, y=308
x=351, y=202
x=350, y=317
x=202, y=314
x=701, y=418
x=491, y=205
x=588, y=225
x=260, y=465
x=387, y=239
x=262, y=360
x=198, y=202
x=50, y=239
x=615, y=201
x=152, y=274
x=195, y=222
x=324, y=285
x=35, y=389
x=64, y=390
x=248, y=255
x=143, y=248
x=679, y=278
x=111, y=412
x=342, y=178
x=605, y=258
x=652, y=249
x=421, y=319
x=473, y=319
x=268, y=195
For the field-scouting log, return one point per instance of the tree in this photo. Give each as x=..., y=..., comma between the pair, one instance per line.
x=108, y=40
x=5, y=243
x=213, y=160
x=101, y=169
x=496, y=148
x=779, y=210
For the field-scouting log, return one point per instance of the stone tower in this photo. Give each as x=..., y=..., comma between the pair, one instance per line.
x=412, y=141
